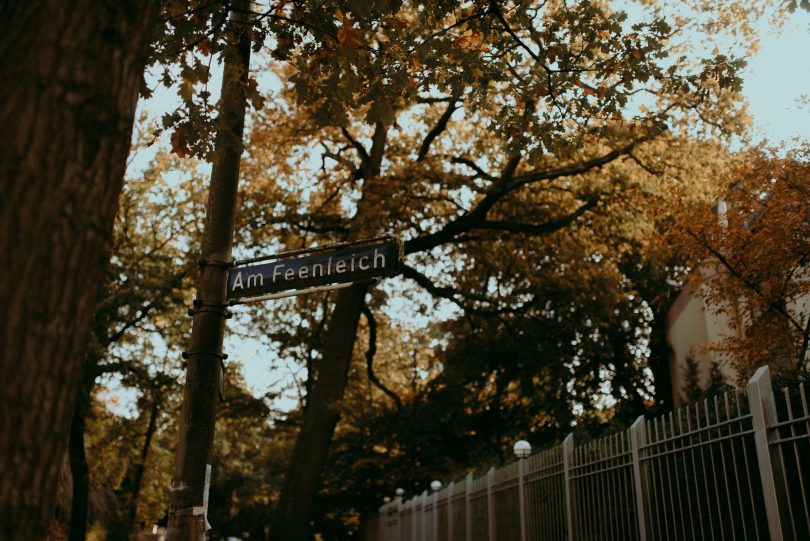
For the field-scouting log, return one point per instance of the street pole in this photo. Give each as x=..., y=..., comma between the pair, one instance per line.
x=192, y=472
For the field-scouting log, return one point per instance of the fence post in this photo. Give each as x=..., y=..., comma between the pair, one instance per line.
x=398, y=530
x=771, y=469
x=491, y=504
x=568, y=459
x=435, y=517
x=381, y=524
x=522, y=499
x=423, y=517
x=468, y=519
x=449, y=510
x=415, y=524
x=638, y=439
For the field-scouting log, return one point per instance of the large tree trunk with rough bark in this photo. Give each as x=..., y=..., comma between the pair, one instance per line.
x=302, y=480
x=69, y=83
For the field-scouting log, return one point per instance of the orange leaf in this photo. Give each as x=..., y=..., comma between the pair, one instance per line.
x=348, y=37
x=179, y=146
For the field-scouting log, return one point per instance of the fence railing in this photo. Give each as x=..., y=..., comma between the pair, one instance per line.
x=735, y=466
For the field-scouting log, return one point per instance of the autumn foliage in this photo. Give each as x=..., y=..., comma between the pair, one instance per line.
x=753, y=256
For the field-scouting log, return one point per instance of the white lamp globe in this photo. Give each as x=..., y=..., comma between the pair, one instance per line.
x=522, y=449
x=435, y=485
x=400, y=492
x=387, y=499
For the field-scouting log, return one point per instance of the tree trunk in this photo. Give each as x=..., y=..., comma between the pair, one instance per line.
x=294, y=509
x=69, y=84
x=133, y=480
x=660, y=357
x=80, y=472
x=301, y=482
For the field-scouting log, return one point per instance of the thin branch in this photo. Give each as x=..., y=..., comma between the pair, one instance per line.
x=474, y=166
x=437, y=130
x=644, y=166
x=431, y=99
x=545, y=228
x=372, y=350
x=496, y=10
x=456, y=296
x=753, y=286
x=361, y=150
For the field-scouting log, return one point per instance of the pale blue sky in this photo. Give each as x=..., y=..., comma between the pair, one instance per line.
x=776, y=79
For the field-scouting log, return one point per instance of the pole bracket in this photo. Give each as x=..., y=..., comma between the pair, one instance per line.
x=220, y=356
x=224, y=265
x=212, y=307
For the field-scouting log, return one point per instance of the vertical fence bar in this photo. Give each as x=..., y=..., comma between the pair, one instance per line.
x=491, y=505
x=468, y=518
x=449, y=508
x=568, y=460
x=414, y=536
x=771, y=471
x=435, y=521
x=523, y=512
x=638, y=439
x=425, y=524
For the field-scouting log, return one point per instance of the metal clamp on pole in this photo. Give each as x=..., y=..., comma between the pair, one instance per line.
x=222, y=357
x=224, y=265
x=212, y=307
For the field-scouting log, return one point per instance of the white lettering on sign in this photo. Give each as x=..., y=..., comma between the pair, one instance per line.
x=294, y=271
x=254, y=280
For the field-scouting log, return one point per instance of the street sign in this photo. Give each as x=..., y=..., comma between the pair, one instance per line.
x=318, y=269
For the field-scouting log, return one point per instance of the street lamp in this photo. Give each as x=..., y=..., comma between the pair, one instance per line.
x=522, y=449
x=387, y=499
x=435, y=486
x=400, y=492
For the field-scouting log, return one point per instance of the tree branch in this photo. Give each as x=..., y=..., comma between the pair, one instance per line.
x=472, y=165
x=455, y=296
x=356, y=144
x=437, y=130
x=753, y=286
x=372, y=350
x=544, y=228
x=470, y=220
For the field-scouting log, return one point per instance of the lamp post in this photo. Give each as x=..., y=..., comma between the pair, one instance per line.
x=522, y=449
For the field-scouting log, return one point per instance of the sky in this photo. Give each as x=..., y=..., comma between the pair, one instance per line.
x=775, y=81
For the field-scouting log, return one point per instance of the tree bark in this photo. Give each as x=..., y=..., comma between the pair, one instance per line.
x=69, y=83
x=80, y=472
x=302, y=480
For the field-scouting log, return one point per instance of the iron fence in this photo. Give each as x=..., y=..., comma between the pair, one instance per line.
x=730, y=467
